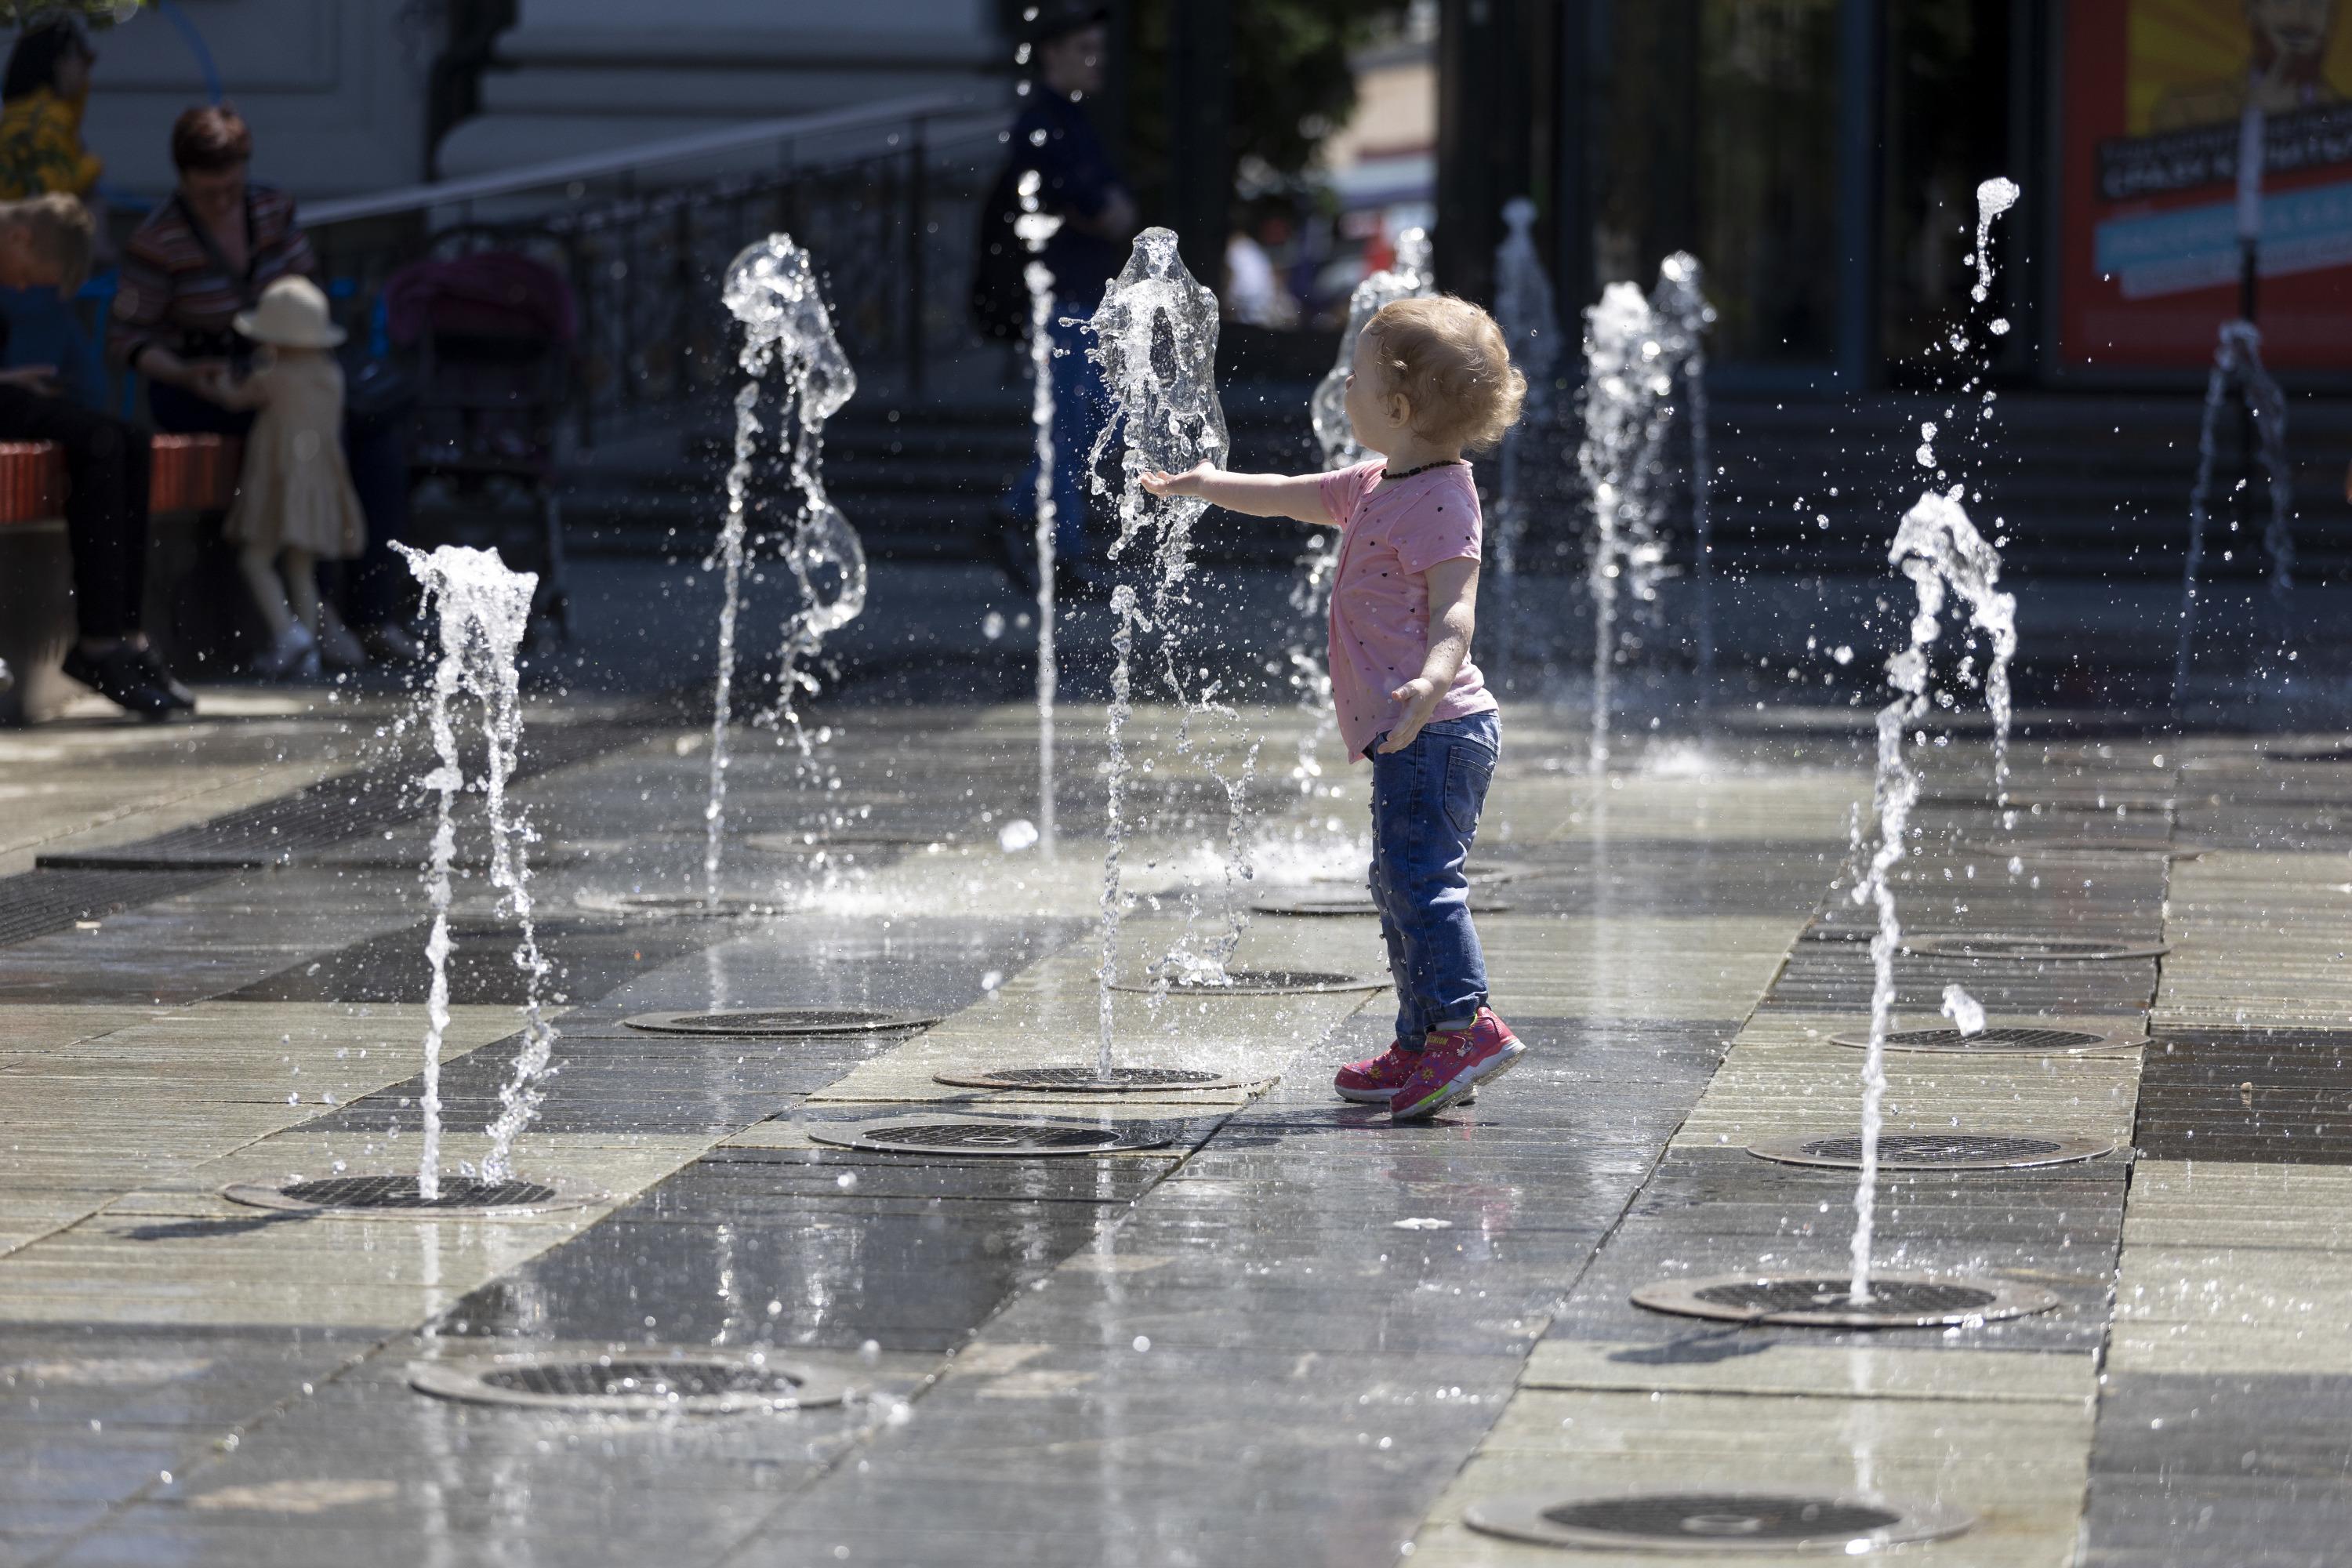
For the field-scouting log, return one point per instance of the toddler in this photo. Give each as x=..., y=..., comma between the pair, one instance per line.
x=1430, y=378
x=295, y=505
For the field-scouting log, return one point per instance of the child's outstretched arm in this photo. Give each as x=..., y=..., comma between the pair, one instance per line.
x=1299, y=497
x=1452, y=617
x=227, y=390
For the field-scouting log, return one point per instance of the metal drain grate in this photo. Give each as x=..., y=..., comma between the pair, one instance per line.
x=1936, y=1151
x=2116, y=844
x=1896, y=1300
x=1016, y=1138
x=1713, y=1522
x=687, y=906
x=2056, y=1039
x=770, y=1022
x=1087, y=1080
x=689, y=1383
x=376, y=1194
x=857, y=843
x=2007, y=948
x=1264, y=983
x=1342, y=900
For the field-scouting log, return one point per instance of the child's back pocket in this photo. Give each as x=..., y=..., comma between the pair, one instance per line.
x=1468, y=770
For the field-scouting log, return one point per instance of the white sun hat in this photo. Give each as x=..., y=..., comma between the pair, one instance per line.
x=292, y=315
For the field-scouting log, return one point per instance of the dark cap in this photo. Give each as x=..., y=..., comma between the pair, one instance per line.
x=1060, y=21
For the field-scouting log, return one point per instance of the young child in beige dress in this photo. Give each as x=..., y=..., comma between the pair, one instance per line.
x=295, y=505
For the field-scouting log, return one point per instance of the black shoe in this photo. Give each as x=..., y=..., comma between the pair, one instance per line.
x=119, y=676
x=159, y=675
x=1016, y=550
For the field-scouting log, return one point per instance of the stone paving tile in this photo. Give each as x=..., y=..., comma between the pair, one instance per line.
x=155, y=1096
x=1259, y=1256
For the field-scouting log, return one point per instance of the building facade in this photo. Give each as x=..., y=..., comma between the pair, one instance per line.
x=1820, y=158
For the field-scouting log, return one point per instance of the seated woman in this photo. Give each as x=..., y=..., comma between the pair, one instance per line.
x=199, y=258
x=45, y=243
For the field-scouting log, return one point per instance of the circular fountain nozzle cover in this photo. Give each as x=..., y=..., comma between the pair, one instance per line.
x=1334, y=899
x=2060, y=1039
x=2067, y=848
x=383, y=1195
x=1262, y=982
x=687, y=906
x=1005, y=1138
x=631, y=1382
x=1712, y=1522
x=1074, y=1079
x=1816, y=1301
x=1934, y=1150
x=2016, y=948
x=771, y=1023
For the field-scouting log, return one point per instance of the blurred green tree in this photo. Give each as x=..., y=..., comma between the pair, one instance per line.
x=1290, y=83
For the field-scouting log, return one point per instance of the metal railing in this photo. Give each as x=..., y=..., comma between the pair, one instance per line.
x=885, y=198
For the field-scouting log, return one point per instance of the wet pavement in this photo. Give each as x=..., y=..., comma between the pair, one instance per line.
x=1285, y=1333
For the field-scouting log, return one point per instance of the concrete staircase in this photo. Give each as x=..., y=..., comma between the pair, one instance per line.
x=2087, y=486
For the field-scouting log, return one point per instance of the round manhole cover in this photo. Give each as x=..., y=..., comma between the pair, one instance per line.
x=2318, y=751
x=1317, y=899
x=377, y=1194
x=1936, y=1151
x=1019, y=1140
x=2056, y=1039
x=687, y=906
x=2006, y=948
x=1262, y=982
x=1711, y=1522
x=1896, y=1300
x=693, y=1383
x=1087, y=1080
x=858, y=841
x=2116, y=844
x=771, y=1021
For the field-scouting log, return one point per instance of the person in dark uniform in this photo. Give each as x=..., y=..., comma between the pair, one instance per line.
x=1078, y=184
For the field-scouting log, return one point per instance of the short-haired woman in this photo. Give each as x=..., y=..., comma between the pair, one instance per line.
x=202, y=258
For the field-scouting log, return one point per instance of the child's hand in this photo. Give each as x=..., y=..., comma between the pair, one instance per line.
x=1191, y=482
x=1420, y=697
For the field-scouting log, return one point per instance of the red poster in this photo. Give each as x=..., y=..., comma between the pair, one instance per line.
x=2153, y=98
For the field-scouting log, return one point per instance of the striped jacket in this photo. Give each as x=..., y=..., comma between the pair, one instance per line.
x=172, y=293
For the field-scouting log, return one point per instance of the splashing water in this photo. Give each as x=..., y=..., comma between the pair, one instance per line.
x=2236, y=367
x=1409, y=277
x=483, y=610
x=1156, y=341
x=1679, y=303
x=1994, y=197
x=1940, y=549
x=1036, y=227
x=1310, y=594
x=1523, y=308
x=1942, y=553
x=1623, y=383
x=771, y=290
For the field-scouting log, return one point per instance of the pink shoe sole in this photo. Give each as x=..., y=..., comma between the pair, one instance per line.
x=1463, y=1086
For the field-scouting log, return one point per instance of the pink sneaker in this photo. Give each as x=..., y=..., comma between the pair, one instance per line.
x=1374, y=1081
x=1452, y=1064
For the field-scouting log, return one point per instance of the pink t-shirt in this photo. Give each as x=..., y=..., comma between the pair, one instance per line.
x=1389, y=535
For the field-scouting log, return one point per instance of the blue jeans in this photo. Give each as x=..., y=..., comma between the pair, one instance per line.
x=1080, y=404
x=1425, y=806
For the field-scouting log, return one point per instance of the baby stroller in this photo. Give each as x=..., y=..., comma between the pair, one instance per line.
x=489, y=332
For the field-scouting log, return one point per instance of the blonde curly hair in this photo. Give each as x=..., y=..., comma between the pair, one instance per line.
x=1448, y=359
